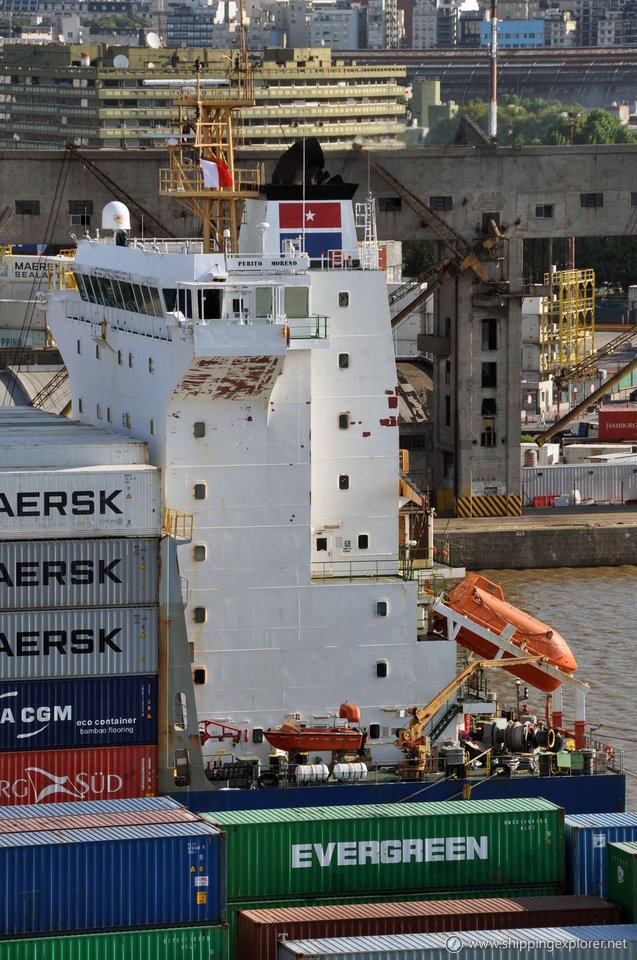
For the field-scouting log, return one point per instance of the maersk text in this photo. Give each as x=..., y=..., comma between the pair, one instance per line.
x=355, y=853
x=81, y=503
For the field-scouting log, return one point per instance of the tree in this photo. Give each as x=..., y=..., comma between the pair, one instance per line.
x=523, y=122
x=534, y=122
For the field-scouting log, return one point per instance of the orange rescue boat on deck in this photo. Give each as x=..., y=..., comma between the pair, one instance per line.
x=297, y=737
x=482, y=601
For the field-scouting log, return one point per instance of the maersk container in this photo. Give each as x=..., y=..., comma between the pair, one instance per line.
x=89, y=502
x=169, y=943
x=547, y=943
x=113, y=641
x=622, y=879
x=78, y=713
x=46, y=776
x=145, y=876
x=48, y=441
x=587, y=836
x=409, y=846
x=107, y=572
x=260, y=931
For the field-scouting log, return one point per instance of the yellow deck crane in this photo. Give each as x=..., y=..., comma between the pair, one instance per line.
x=413, y=741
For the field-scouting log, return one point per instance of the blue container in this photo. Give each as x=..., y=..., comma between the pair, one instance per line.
x=77, y=808
x=72, y=881
x=587, y=837
x=102, y=712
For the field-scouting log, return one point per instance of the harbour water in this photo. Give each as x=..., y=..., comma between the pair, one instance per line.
x=595, y=610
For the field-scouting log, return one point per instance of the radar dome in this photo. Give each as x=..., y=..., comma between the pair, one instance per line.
x=115, y=216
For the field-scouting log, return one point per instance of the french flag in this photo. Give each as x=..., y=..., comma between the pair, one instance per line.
x=318, y=223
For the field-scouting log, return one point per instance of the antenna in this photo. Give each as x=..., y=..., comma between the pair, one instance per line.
x=120, y=61
x=153, y=41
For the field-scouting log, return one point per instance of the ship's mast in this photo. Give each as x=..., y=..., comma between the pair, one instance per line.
x=202, y=174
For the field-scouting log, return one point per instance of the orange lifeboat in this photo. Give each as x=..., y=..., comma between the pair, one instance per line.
x=483, y=602
x=296, y=737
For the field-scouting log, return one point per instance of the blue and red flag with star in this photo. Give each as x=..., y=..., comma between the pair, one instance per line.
x=317, y=223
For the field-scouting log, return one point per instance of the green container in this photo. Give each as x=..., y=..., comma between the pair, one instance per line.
x=234, y=908
x=172, y=943
x=457, y=844
x=622, y=879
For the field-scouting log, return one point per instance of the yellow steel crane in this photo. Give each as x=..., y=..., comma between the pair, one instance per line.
x=412, y=739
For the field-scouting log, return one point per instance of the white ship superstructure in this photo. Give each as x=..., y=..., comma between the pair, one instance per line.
x=264, y=383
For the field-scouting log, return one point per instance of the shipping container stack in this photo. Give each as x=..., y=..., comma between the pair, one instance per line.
x=79, y=646
x=393, y=852
x=111, y=880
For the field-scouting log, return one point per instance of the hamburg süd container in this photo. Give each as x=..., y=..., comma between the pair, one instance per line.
x=105, y=572
x=392, y=847
x=78, y=713
x=587, y=837
x=260, y=931
x=545, y=943
x=169, y=943
x=622, y=879
x=90, y=501
x=112, y=878
x=51, y=644
x=104, y=773
x=618, y=423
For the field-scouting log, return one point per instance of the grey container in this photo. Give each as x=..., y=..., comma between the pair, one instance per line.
x=107, y=642
x=33, y=438
x=92, y=502
x=546, y=943
x=45, y=574
x=593, y=481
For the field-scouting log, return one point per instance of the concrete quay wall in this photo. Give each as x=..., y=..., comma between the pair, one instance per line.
x=543, y=541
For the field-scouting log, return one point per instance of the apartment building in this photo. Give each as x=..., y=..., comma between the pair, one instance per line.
x=99, y=96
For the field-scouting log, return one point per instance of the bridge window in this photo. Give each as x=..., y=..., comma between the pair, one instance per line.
x=343, y=421
x=441, y=203
x=343, y=360
x=199, y=615
x=321, y=543
x=363, y=541
x=389, y=204
x=297, y=301
x=210, y=301
x=591, y=199
x=263, y=301
x=343, y=482
x=343, y=299
x=544, y=211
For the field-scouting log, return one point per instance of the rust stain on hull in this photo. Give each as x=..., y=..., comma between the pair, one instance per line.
x=230, y=378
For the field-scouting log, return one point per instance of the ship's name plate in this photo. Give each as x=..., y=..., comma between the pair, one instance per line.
x=270, y=263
